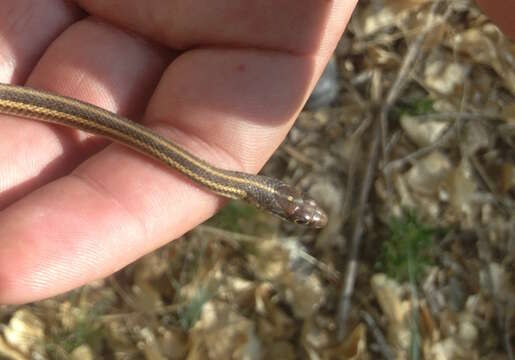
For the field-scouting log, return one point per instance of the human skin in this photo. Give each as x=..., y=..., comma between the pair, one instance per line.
x=224, y=81
x=502, y=12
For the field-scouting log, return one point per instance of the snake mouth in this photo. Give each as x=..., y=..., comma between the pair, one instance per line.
x=319, y=219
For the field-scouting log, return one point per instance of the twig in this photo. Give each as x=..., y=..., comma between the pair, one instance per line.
x=351, y=179
x=502, y=312
x=413, y=53
x=443, y=140
x=230, y=236
x=411, y=157
x=296, y=251
x=165, y=309
x=299, y=156
x=445, y=116
x=394, y=140
x=124, y=295
x=507, y=341
x=381, y=341
x=352, y=265
x=504, y=204
x=380, y=136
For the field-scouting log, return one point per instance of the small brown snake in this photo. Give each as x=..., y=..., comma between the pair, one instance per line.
x=267, y=193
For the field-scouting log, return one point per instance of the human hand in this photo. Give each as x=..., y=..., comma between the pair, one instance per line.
x=501, y=12
x=76, y=208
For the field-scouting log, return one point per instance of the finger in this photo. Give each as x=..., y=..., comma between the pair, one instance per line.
x=118, y=205
x=283, y=25
x=91, y=61
x=502, y=13
x=239, y=103
x=86, y=225
x=26, y=29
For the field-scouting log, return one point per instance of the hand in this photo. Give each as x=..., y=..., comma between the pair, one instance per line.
x=501, y=12
x=76, y=208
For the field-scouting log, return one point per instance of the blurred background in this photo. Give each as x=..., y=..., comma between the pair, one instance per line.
x=408, y=142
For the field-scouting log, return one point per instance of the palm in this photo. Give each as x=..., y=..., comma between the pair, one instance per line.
x=75, y=208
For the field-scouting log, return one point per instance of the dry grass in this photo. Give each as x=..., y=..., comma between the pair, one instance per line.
x=415, y=162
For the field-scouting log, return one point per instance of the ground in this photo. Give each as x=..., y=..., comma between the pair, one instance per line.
x=414, y=162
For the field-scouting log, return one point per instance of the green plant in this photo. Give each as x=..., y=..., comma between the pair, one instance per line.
x=234, y=216
x=407, y=252
x=190, y=314
x=88, y=329
x=413, y=107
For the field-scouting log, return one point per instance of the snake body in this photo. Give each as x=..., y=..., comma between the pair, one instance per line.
x=267, y=193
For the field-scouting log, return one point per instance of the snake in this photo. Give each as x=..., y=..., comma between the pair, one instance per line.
x=264, y=192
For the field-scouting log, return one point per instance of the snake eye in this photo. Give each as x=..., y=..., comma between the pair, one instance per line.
x=297, y=208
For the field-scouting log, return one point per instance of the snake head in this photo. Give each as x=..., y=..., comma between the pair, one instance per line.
x=294, y=206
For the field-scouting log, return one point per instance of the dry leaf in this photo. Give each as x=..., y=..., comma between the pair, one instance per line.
x=25, y=331
x=422, y=133
x=429, y=173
